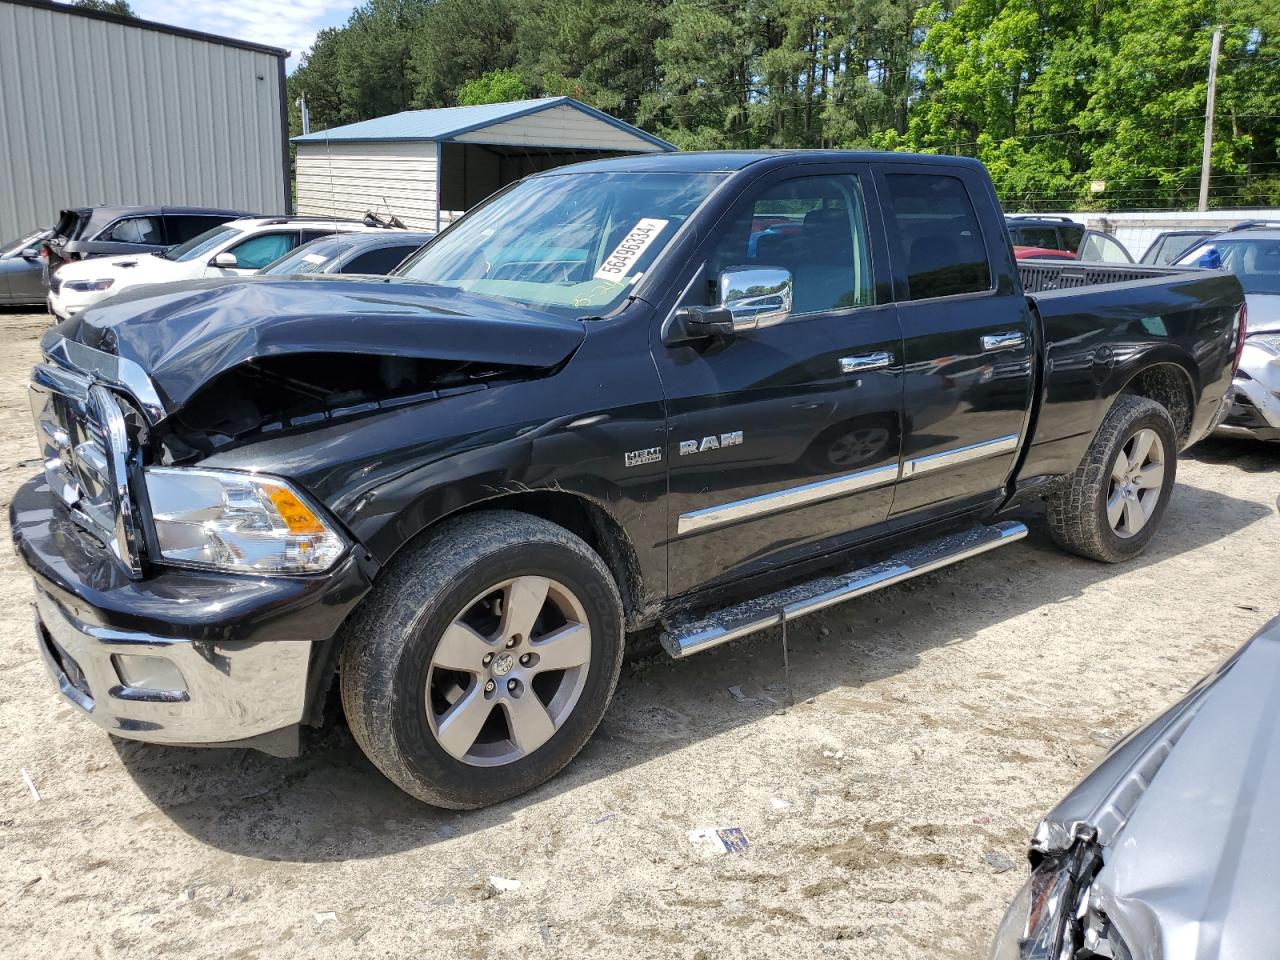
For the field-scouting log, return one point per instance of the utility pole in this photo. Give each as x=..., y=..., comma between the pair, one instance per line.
x=1208, y=120
x=301, y=103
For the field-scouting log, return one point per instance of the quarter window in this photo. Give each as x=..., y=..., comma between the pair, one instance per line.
x=816, y=228
x=940, y=236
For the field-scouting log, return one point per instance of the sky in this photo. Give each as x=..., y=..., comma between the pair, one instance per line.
x=291, y=24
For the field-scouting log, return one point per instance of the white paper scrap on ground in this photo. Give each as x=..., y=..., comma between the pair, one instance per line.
x=718, y=840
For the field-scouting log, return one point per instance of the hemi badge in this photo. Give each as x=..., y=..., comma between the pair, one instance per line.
x=637, y=458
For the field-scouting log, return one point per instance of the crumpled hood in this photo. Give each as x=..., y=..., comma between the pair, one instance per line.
x=1192, y=862
x=185, y=335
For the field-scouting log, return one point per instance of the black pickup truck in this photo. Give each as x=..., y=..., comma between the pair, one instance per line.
x=703, y=392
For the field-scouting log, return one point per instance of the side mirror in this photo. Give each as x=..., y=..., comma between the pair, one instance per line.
x=225, y=260
x=30, y=253
x=756, y=296
x=749, y=297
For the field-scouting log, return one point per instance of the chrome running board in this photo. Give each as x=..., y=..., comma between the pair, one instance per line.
x=684, y=637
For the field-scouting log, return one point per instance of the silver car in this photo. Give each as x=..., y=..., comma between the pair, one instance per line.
x=1170, y=848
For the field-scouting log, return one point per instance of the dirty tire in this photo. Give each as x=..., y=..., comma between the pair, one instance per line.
x=389, y=644
x=1078, y=511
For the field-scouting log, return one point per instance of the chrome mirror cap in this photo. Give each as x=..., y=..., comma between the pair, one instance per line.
x=756, y=296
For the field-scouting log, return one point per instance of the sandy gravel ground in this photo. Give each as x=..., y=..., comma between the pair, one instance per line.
x=938, y=721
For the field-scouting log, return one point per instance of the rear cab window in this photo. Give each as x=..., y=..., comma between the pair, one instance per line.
x=941, y=242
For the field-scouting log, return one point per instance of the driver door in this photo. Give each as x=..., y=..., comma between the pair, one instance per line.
x=783, y=440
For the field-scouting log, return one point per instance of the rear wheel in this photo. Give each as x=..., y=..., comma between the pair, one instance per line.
x=484, y=659
x=1111, y=507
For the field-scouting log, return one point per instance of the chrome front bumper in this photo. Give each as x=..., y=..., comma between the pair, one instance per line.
x=164, y=690
x=180, y=656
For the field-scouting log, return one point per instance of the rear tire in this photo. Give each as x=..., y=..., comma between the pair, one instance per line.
x=1110, y=508
x=483, y=660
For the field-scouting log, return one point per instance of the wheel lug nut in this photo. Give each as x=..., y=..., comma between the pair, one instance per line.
x=489, y=687
x=511, y=685
x=488, y=659
x=513, y=641
x=525, y=659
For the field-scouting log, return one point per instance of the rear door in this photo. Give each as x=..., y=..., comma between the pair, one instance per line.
x=967, y=337
x=783, y=440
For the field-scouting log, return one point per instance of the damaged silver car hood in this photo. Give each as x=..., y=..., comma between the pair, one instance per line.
x=1186, y=815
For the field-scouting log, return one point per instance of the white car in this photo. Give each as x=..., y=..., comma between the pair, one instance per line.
x=238, y=248
x=1253, y=255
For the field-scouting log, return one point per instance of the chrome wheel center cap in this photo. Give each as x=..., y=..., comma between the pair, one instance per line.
x=502, y=664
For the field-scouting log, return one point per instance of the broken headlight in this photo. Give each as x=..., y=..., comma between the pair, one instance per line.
x=238, y=521
x=1043, y=921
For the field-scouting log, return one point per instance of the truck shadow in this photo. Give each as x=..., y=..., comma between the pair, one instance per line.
x=331, y=804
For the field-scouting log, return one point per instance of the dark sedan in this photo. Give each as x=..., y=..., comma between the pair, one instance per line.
x=22, y=270
x=84, y=232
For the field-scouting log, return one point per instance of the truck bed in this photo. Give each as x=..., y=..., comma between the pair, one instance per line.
x=1100, y=324
x=1042, y=276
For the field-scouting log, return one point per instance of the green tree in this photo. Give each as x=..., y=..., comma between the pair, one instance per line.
x=600, y=52
x=120, y=8
x=496, y=86
x=460, y=40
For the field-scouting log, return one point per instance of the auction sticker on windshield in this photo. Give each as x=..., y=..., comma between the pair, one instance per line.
x=617, y=265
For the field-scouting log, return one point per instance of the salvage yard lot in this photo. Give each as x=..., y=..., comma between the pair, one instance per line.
x=934, y=723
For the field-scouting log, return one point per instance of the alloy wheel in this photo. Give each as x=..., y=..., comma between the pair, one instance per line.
x=1137, y=479
x=508, y=671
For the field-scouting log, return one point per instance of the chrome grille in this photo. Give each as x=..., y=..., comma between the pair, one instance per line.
x=82, y=439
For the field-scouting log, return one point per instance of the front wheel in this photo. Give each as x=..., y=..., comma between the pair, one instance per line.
x=483, y=660
x=1112, y=505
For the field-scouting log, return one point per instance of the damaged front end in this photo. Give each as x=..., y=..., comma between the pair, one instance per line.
x=1065, y=910
x=271, y=396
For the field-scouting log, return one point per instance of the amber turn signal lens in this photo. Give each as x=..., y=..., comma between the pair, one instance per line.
x=293, y=511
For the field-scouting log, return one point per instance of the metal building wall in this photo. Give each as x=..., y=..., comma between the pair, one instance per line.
x=94, y=111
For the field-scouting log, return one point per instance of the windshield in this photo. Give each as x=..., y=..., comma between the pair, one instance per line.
x=573, y=243
x=1255, y=261
x=201, y=243
x=308, y=258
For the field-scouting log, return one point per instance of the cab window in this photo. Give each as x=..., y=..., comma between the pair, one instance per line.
x=941, y=239
x=814, y=227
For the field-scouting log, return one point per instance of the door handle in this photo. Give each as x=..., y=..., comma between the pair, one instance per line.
x=866, y=362
x=1009, y=340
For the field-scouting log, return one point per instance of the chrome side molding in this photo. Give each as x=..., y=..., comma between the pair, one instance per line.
x=683, y=638
x=736, y=510
x=952, y=458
